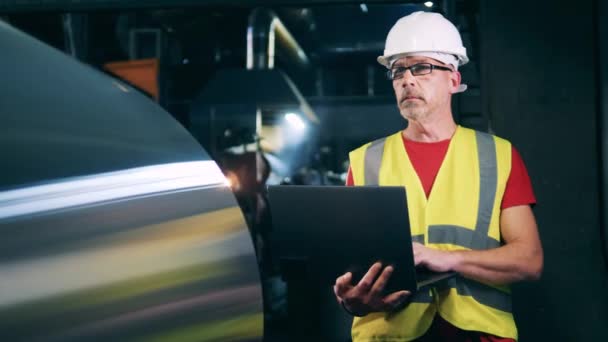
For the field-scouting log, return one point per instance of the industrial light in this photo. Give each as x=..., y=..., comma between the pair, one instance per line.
x=232, y=181
x=295, y=121
x=363, y=8
x=428, y=4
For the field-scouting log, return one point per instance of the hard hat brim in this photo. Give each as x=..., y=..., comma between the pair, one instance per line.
x=386, y=60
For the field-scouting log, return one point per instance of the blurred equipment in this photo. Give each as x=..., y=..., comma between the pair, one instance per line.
x=264, y=26
x=115, y=223
x=259, y=99
x=268, y=127
x=142, y=73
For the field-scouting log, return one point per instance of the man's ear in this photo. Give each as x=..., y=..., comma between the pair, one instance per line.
x=455, y=80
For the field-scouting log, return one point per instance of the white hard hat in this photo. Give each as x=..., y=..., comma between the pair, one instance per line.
x=423, y=32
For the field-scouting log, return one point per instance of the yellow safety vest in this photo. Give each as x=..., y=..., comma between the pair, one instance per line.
x=461, y=213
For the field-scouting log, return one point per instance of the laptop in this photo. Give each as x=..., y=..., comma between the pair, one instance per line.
x=331, y=230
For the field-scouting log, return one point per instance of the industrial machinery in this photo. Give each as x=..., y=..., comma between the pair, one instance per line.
x=115, y=223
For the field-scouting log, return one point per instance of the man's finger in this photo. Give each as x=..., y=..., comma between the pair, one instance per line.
x=382, y=280
x=343, y=284
x=418, y=251
x=417, y=259
x=337, y=294
x=366, y=282
x=344, y=279
x=396, y=298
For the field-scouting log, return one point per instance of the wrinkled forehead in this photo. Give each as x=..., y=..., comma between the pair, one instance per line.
x=411, y=60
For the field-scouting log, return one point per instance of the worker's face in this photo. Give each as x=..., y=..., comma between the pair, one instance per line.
x=420, y=96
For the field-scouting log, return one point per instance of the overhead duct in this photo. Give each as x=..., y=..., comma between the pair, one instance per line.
x=264, y=29
x=241, y=95
x=270, y=89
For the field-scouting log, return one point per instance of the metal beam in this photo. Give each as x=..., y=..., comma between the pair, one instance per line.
x=7, y=6
x=264, y=26
x=75, y=31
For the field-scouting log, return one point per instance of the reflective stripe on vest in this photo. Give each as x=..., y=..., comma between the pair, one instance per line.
x=472, y=239
x=418, y=238
x=373, y=159
x=478, y=238
x=456, y=235
x=484, y=294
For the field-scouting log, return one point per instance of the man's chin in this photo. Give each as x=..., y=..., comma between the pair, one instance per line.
x=409, y=116
x=411, y=113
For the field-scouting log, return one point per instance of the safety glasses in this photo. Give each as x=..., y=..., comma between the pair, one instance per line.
x=418, y=69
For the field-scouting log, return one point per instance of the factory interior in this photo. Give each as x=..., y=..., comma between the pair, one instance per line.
x=138, y=139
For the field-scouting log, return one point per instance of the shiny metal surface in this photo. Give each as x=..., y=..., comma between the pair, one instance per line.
x=115, y=223
x=173, y=265
x=60, y=118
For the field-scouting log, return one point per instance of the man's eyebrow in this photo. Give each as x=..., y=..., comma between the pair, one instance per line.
x=415, y=61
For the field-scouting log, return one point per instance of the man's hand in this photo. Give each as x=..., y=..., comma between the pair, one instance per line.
x=366, y=296
x=433, y=259
x=520, y=258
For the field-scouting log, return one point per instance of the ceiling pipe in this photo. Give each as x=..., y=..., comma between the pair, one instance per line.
x=263, y=30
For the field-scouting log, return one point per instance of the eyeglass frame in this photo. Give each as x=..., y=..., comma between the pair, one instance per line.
x=432, y=67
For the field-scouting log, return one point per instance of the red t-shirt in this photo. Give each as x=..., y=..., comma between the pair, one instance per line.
x=427, y=158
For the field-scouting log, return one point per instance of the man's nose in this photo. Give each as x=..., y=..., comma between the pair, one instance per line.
x=408, y=79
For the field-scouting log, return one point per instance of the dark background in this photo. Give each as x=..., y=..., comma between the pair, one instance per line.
x=537, y=77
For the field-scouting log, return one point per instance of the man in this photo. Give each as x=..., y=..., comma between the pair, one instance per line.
x=469, y=203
